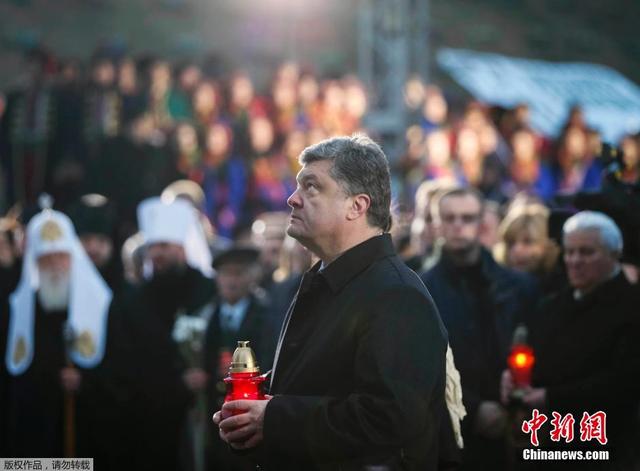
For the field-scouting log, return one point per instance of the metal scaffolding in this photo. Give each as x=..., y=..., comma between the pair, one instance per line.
x=392, y=45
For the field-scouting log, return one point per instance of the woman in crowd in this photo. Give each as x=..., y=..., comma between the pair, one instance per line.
x=525, y=245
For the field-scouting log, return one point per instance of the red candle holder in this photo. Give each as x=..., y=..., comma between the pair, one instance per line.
x=244, y=380
x=520, y=361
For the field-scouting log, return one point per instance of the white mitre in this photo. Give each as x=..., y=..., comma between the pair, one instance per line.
x=176, y=222
x=89, y=299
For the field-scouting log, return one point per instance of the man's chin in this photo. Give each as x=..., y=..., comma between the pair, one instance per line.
x=293, y=231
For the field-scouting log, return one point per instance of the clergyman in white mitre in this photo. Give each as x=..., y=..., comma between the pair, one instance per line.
x=58, y=274
x=173, y=233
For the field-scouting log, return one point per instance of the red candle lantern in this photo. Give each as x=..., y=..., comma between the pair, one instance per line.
x=520, y=361
x=244, y=380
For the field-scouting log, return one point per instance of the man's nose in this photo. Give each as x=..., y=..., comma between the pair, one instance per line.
x=572, y=258
x=294, y=200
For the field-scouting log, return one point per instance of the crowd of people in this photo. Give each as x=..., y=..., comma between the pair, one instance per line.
x=127, y=128
x=167, y=220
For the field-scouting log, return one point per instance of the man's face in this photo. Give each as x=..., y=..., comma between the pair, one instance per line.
x=99, y=248
x=318, y=206
x=165, y=256
x=460, y=222
x=588, y=261
x=56, y=263
x=55, y=276
x=234, y=281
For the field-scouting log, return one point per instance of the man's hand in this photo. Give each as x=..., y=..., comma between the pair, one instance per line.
x=491, y=419
x=195, y=379
x=244, y=430
x=70, y=378
x=535, y=397
x=506, y=387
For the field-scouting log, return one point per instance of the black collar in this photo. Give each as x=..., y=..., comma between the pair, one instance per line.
x=339, y=272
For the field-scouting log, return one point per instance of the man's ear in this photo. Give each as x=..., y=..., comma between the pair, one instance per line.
x=359, y=206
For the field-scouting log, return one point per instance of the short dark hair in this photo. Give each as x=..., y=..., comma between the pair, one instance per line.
x=359, y=166
x=459, y=192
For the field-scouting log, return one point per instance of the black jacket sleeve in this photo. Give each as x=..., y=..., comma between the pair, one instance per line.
x=399, y=370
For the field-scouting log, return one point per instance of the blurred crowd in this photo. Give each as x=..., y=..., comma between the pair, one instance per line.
x=126, y=128
x=481, y=204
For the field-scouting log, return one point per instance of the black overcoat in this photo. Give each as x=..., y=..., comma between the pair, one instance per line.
x=588, y=358
x=359, y=371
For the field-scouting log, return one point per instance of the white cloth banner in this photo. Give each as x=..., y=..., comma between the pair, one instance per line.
x=611, y=102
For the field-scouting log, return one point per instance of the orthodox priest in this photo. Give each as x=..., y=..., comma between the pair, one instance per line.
x=175, y=293
x=56, y=340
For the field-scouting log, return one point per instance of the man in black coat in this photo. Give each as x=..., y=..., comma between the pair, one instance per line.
x=480, y=303
x=586, y=341
x=239, y=312
x=359, y=372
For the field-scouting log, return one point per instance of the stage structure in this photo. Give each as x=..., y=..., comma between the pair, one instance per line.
x=393, y=44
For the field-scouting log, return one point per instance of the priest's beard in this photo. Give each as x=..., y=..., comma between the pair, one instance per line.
x=54, y=290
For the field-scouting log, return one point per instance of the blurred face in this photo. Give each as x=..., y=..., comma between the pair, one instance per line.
x=631, y=152
x=55, y=276
x=57, y=263
x=104, y=73
x=576, y=143
x=525, y=252
x=284, y=94
x=261, y=134
x=414, y=93
x=295, y=144
x=218, y=140
x=234, y=281
x=423, y=226
x=308, y=89
x=460, y=222
x=127, y=76
x=161, y=77
x=241, y=92
x=333, y=97
x=318, y=206
x=190, y=77
x=98, y=247
x=356, y=100
x=588, y=261
x=204, y=98
x=524, y=146
x=166, y=256
x=438, y=149
x=488, y=139
x=435, y=106
x=187, y=138
x=468, y=145
x=270, y=251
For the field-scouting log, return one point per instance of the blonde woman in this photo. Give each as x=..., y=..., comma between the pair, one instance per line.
x=525, y=246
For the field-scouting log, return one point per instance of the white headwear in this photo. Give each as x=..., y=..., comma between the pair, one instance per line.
x=90, y=297
x=176, y=222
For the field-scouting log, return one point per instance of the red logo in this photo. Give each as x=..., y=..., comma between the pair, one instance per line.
x=532, y=426
x=594, y=427
x=562, y=427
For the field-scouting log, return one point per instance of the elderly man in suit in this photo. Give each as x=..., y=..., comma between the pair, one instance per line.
x=359, y=372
